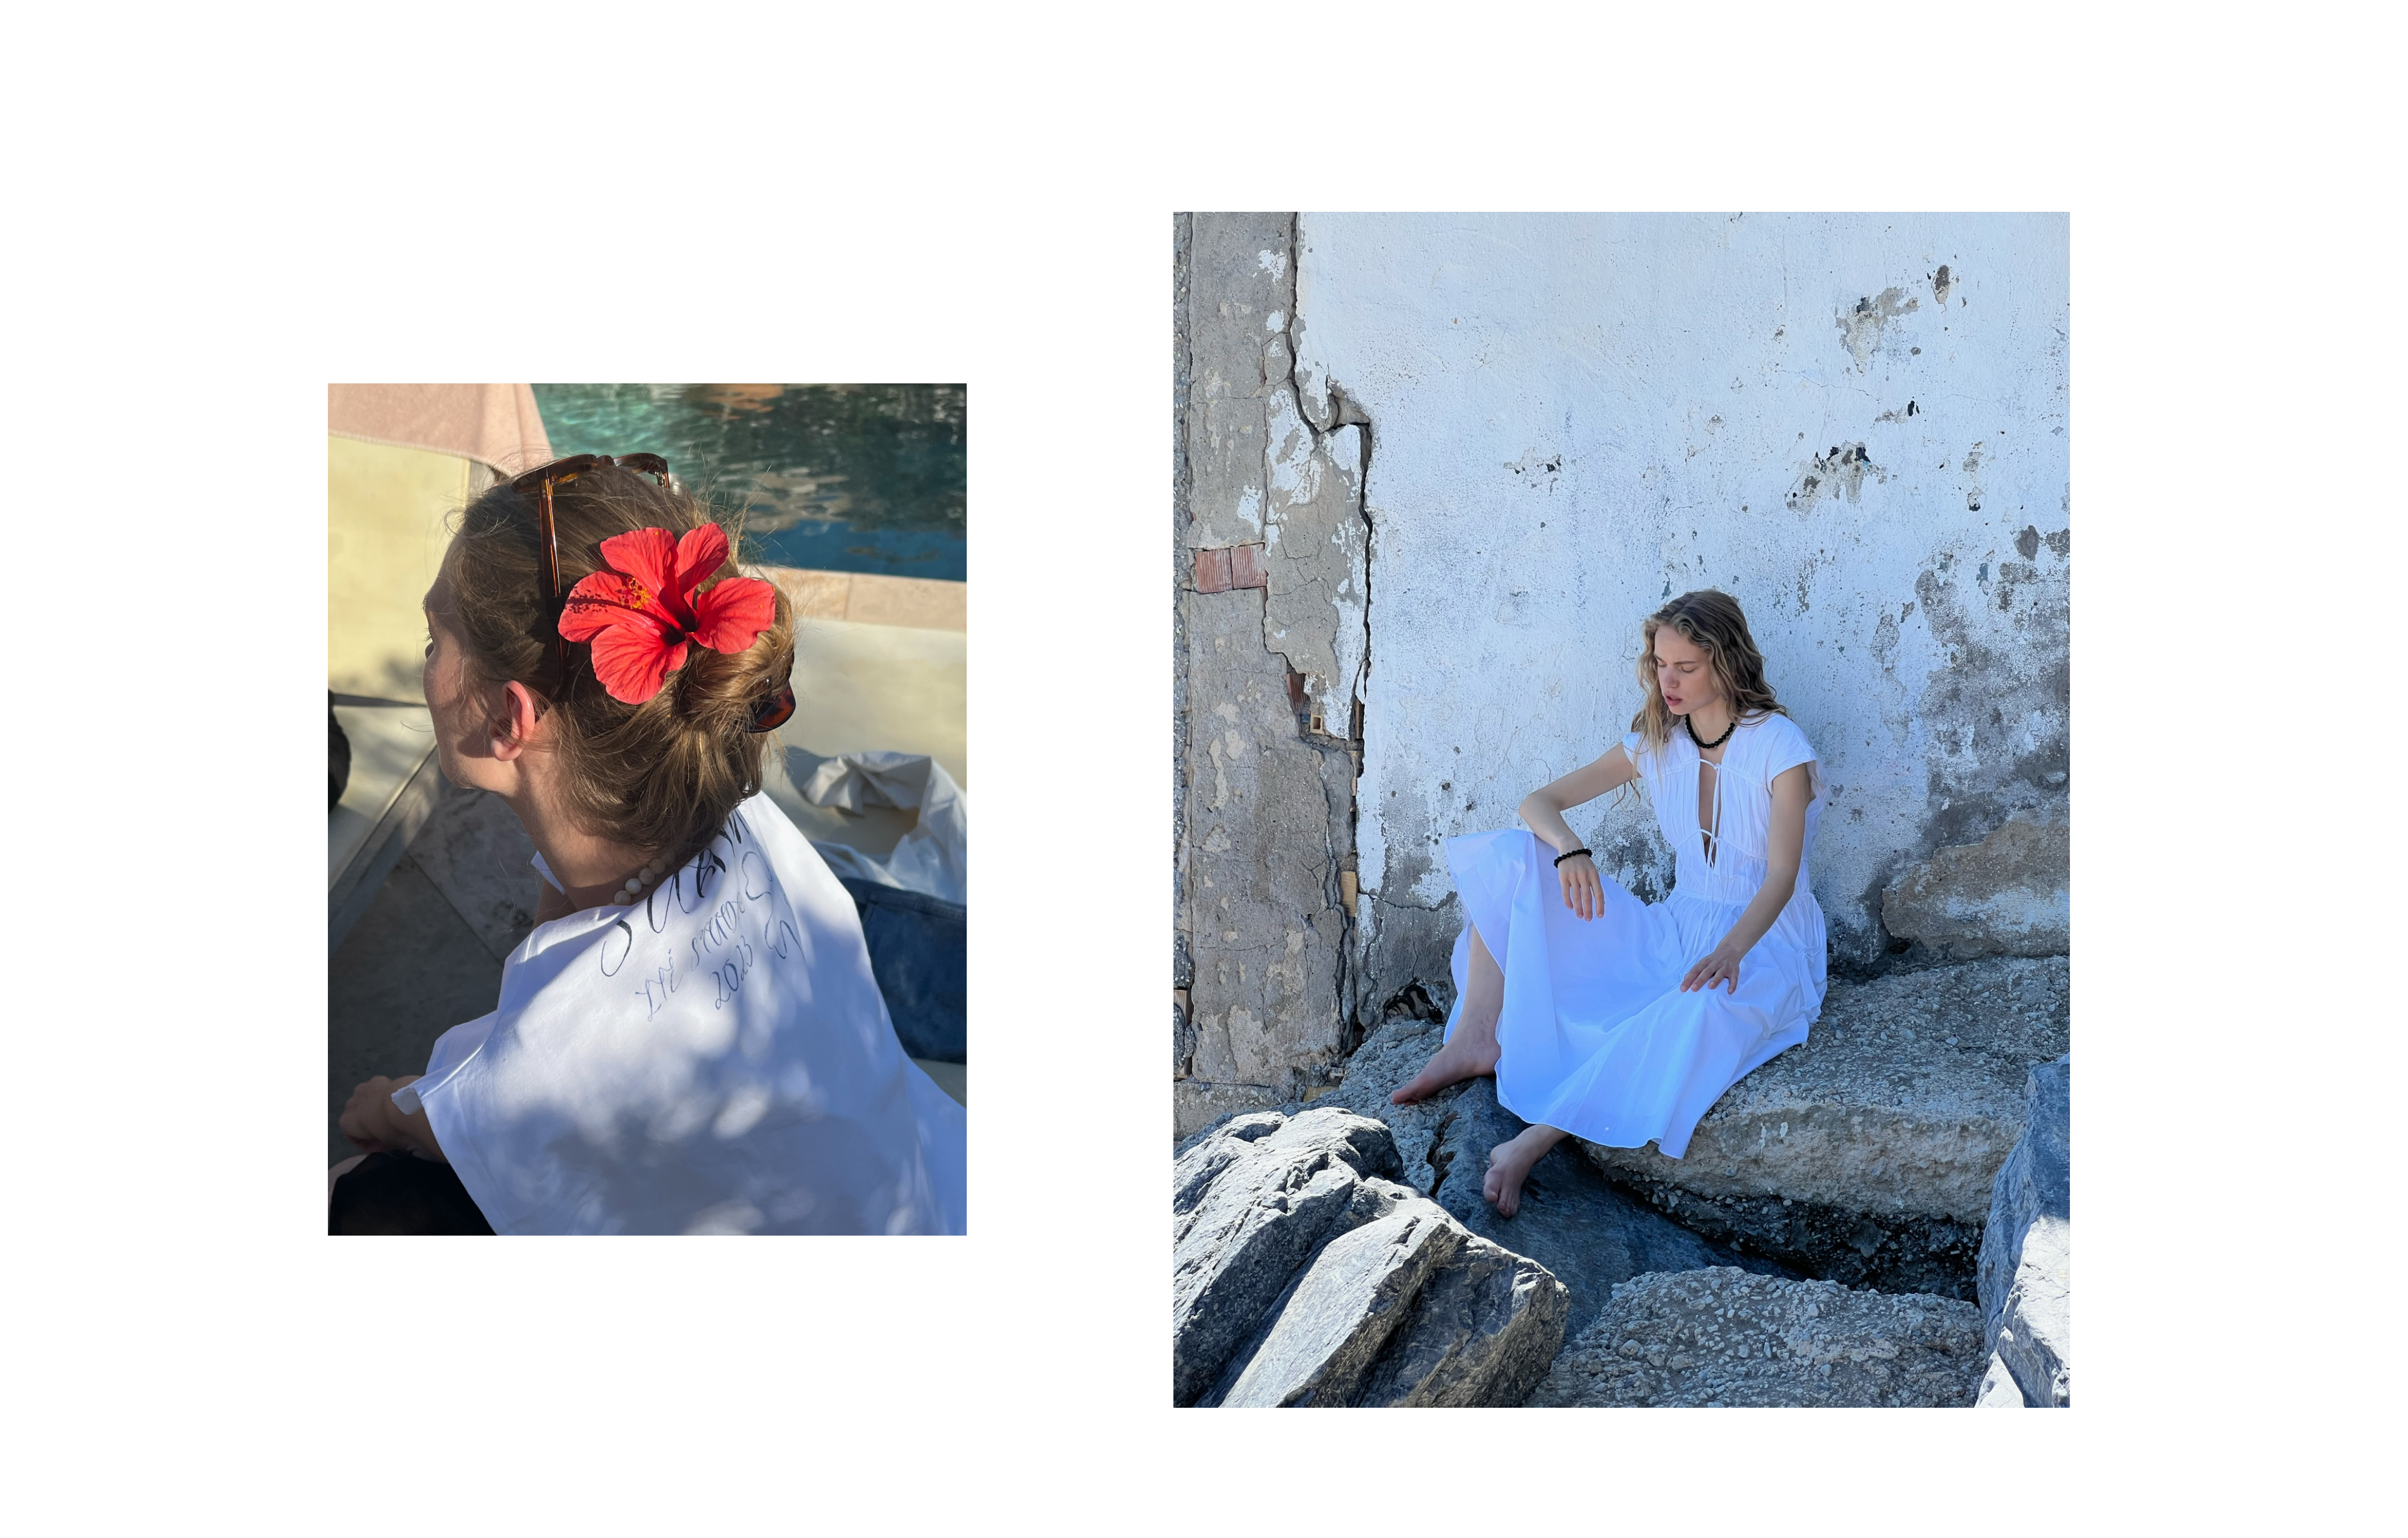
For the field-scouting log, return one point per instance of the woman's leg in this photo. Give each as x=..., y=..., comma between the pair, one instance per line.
x=1471, y=1052
x=1508, y=1165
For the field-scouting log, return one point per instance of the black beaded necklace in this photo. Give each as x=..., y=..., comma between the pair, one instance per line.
x=1704, y=746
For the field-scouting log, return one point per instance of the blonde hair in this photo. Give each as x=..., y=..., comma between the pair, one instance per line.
x=663, y=774
x=1711, y=622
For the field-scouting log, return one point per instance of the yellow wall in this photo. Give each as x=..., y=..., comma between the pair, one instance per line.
x=386, y=508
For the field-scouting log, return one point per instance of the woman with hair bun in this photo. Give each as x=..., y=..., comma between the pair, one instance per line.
x=1622, y=1021
x=691, y=1039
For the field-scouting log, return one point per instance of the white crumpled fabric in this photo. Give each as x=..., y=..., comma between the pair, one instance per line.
x=932, y=857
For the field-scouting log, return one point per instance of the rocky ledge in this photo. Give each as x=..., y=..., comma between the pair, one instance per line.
x=1867, y=1156
x=1726, y=1337
x=1588, y=1235
x=2026, y=1272
x=1303, y=1273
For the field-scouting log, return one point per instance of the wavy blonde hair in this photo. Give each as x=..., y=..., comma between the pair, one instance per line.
x=1711, y=622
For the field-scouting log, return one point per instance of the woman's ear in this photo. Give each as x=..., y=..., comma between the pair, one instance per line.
x=519, y=721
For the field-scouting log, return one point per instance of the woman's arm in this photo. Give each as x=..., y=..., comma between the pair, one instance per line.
x=1543, y=809
x=374, y=1124
x=1781, y=861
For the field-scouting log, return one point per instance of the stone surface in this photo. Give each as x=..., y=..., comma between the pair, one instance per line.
x=1249, y=1204
x=1303, y=1276
x=411, y=970
x=1482, y=1331
x=1270, y=642
x=1999, y=1390
x=1260, y=890
x=2004, y=896
x=1726, y=1337
x=1238, y=277
x=478, y=854
x=1343, y=1310
x=1571, y=1221
x=1866, y=1154
x=872, y=598
x=2025, y=1264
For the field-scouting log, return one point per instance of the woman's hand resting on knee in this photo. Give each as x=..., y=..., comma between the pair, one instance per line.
x=1719, y=965
x=1584, y=889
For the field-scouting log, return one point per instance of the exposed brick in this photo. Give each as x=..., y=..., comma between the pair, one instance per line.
x=1246, y=566
x=1213, y=571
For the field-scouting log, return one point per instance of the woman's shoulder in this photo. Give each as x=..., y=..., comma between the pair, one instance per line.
x=1783, y=738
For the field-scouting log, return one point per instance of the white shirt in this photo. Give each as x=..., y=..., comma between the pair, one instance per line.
x=715, y=1058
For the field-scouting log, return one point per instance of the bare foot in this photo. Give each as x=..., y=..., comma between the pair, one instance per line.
x=1508, y=1165
x=1467, y=1056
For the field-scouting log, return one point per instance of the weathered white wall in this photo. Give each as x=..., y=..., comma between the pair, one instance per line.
x=1571, y=418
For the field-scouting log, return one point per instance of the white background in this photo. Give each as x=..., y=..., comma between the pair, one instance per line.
x=212, y=212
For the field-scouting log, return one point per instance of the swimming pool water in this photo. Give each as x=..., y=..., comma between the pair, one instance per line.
x=835, y=477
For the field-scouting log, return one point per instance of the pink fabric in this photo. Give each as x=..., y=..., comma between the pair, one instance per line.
x=495, y=424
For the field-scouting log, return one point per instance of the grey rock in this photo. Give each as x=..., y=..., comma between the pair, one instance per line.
x=1197, y=1106
x=1301, y=1276
x=1248, y=1204
x=1482, y=1331
x=2004, y=896
x=1866, y=1154
x=1999, y=1390
x=1343, y=1309
x=1728, y=1336
x=2025, y=1264
x=1571, y=1221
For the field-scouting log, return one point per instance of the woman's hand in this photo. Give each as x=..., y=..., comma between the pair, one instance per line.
x=1719, y=965
x=1583, y=891
x=375, y=1125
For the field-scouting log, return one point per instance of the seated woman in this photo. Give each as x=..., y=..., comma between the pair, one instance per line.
x=1599, y=1013
x=690, y=1040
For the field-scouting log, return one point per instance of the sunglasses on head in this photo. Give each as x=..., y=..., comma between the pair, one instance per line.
x=537, y=485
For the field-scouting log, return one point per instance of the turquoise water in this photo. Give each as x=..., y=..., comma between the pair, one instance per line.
x=834, y=477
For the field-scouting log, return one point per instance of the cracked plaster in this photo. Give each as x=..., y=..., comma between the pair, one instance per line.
x=1523, y=433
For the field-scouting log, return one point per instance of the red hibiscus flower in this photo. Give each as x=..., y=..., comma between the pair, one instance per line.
x=642, y=613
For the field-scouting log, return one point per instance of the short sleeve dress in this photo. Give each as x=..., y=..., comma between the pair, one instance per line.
x=1597, y=1038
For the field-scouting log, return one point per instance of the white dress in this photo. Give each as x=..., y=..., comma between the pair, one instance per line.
x=715, y=1058
x=1595, y=1037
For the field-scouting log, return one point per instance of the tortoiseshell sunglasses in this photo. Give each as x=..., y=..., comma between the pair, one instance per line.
x=536, y=484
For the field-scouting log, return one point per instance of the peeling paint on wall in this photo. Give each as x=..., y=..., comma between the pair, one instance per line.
x=1579, y=417
x=1519, y=434
x=1861, y=324
x=1274, y=607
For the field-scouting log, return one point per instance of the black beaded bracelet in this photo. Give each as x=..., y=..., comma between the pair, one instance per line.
x=1569, y=853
